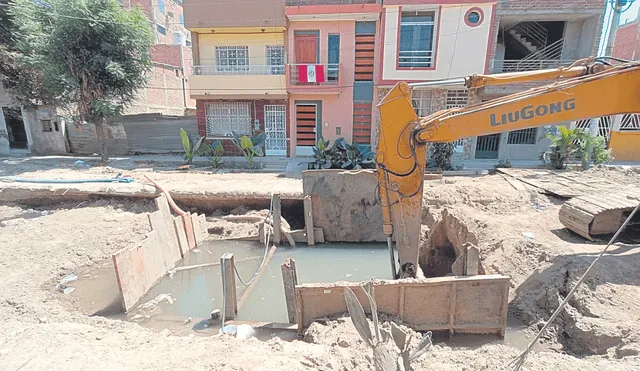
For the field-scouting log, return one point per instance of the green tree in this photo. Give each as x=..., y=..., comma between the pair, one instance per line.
x=92, y=54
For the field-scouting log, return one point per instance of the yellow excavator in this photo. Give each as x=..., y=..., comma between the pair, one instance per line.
x=589, y=88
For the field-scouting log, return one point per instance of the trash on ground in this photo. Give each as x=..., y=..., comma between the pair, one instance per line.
x=155, y=301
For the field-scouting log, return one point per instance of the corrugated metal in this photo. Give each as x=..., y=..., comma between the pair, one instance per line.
x=146, y=133
x=159, y=135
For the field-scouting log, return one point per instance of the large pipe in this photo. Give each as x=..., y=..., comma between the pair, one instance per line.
x=460, y=81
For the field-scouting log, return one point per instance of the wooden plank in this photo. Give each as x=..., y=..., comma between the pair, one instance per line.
x=457, y=268
x=290, y=280
x=162, y=221
x=182, y=235
x=202, y=220
x=473, y=261
x=138, y=268
x=188, y=229
x=308, y=220
x=227, y=269
x=277, y=221
x=197, y=232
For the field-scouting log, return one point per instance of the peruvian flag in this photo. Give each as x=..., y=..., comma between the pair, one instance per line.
x=311, y=73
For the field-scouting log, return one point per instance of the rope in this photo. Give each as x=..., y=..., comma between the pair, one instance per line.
x=267, y=236
x=519, y=361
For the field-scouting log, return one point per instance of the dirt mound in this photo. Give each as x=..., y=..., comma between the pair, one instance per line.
x=600, y=318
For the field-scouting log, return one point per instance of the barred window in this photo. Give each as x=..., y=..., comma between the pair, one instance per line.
x=421, y=100
x=232, y=58
x=225, y=117
x=457, y=98
x=524, y=136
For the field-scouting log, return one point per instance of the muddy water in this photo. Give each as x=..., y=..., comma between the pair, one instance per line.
x=195, y=293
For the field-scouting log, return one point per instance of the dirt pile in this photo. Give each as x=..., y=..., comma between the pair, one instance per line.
x=602, y=317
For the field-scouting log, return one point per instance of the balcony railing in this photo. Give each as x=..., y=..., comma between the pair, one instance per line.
x=528, y=65
x=331, y=75
x=329, y=2
x=251, y=69
x=415, y=58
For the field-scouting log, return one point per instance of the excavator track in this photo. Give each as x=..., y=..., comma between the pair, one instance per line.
x=593, y=215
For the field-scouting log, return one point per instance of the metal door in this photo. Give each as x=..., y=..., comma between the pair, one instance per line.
x=275, y=128
x=306, y=128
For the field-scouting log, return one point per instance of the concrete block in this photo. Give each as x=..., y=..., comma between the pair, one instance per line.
x=343, y=204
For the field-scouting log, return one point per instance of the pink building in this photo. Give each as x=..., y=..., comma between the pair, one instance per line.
x=330, y=72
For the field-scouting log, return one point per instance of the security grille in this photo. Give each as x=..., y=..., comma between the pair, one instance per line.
x=224, y=117
x=422, y=100
x=275, y=127
x=275, y=59
x=630, y=122
x=232, y=58
x=604, y=126
x=524, y=136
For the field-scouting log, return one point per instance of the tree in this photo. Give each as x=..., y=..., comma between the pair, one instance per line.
x=92, y=54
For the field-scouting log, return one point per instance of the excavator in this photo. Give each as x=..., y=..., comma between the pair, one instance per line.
x=588, y=88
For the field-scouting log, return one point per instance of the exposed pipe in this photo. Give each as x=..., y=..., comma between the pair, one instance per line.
x=460, y=81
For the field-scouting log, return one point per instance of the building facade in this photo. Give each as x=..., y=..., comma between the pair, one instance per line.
x=171, y=58
x=336, y=60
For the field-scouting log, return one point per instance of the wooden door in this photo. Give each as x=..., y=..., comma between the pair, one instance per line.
x=306, y=49
x=306, y=123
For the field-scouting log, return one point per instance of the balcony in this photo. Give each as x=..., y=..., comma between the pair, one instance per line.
x=244, y=80
x=528, y=65
x=330, y=83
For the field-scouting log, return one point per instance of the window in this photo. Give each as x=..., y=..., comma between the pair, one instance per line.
x=333, y=57
x=232, y=58
x=630, y=122
x=421, y=100
x=416, y=40
x=47, y=126
x=524, y=136
x=181, y=17
x=161, y=7
x=161, y=29
x=224, y=117
x=275, y=59
x=474, y=17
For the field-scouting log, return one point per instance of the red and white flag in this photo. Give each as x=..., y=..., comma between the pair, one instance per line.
x=311, y=73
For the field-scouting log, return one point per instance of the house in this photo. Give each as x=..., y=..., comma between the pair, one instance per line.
x=425, y=41
x=171, y=60
x=624, y=138
x=336, y=99
x=238, y=78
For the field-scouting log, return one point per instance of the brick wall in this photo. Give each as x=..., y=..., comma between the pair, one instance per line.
x=163, y=93
x=627, y=44
x=257, y=112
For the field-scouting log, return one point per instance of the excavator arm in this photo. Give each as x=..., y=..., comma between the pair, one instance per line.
x=592, y=89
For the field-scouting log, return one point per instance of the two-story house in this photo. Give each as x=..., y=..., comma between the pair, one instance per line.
x=330, y=75
x=238, y=78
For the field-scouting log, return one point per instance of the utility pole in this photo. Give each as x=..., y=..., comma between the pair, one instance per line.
x=618, y=6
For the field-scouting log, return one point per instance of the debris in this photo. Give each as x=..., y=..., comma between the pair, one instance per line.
x=11, y=222
x=527, y=235
x=215, y=314
x=137, y=317
x=80, y=163
x=188, y=320
x=245, y=332
x=165, y=332
x=343, y=343
x=154, y=302
x=62, y=285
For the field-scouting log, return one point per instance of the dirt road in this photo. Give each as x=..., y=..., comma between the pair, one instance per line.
x=41, y=329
